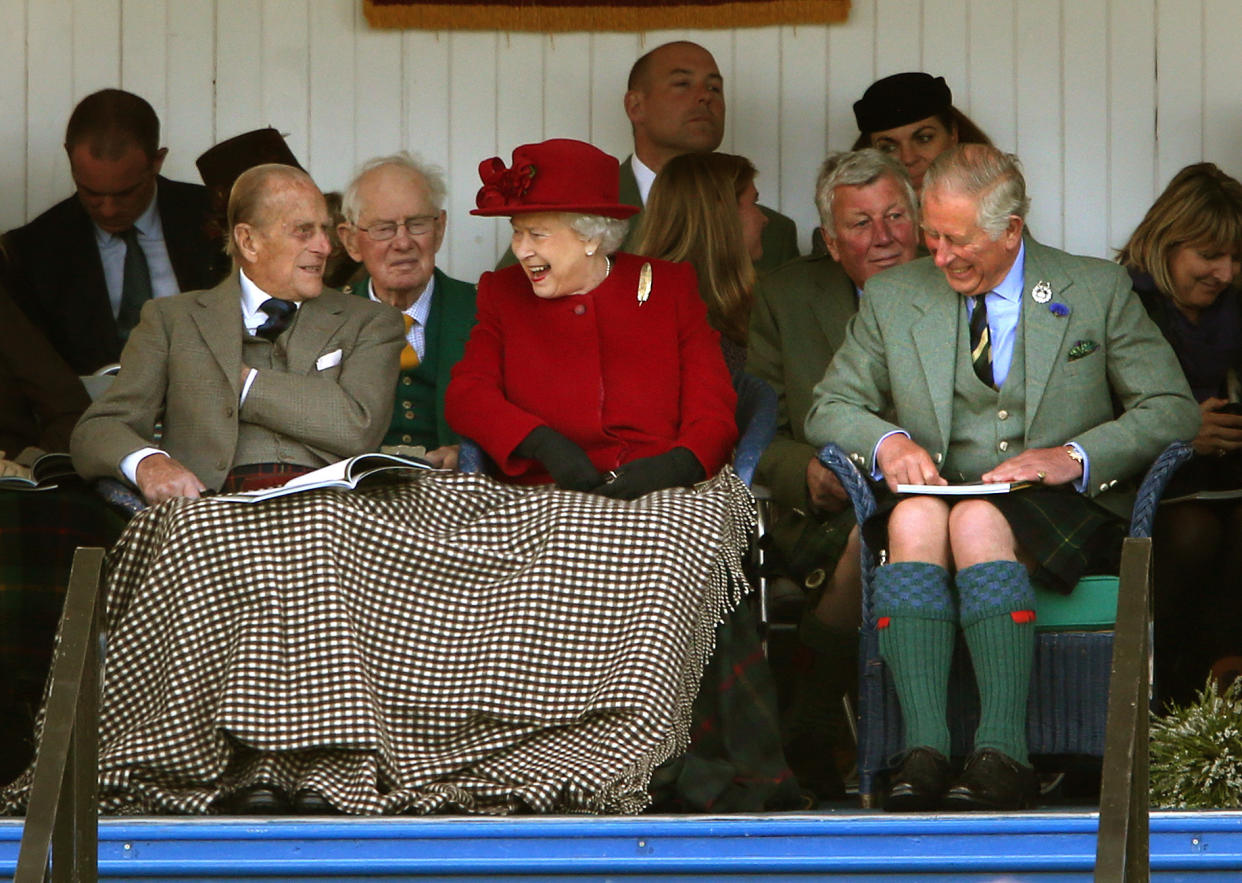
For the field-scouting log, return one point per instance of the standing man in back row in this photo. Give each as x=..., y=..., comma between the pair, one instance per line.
x=83, y=269
x=675, y=102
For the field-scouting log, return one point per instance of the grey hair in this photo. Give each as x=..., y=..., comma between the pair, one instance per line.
x=858, y=168
x=432, y=175
x=609, y=231
x=992, y=177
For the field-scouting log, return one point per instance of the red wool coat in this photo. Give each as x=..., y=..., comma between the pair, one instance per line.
x=620, y=378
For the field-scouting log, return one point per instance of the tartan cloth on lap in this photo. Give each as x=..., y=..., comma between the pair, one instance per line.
x=444, y=642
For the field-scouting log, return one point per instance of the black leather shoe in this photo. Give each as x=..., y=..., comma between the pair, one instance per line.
x=994, y=781
x=920, y=783
x=309, y=802
x=260, y=800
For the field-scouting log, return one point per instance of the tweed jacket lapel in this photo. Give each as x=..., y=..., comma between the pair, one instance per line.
x=1043, y=331
x=219, y=322
x=935, y=339
x=318, y=319
x=832, y=309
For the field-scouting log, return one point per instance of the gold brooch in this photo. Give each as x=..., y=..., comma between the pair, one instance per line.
x=644, y=284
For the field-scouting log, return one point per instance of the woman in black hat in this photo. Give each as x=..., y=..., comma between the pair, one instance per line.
x=912, y=116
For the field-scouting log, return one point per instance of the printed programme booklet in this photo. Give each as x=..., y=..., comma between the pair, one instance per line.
x=44, y=474
x=966, y=489
x=343, y=475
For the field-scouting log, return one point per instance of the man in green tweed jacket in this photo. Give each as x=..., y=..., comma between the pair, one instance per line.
x=394, y=225
x=869, y=213
x=996, y=359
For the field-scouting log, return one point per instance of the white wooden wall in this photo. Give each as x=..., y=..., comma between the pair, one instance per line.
x=1103, y=99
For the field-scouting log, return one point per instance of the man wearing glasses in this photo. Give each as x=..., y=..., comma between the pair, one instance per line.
x=394, y=225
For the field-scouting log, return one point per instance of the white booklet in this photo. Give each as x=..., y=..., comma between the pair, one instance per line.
x=343, y=475
x=966, y=489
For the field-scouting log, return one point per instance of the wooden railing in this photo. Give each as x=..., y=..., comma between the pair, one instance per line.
x=1122, y=844
x=62, y=816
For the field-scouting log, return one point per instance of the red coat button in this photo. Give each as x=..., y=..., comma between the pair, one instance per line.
x=579, y=309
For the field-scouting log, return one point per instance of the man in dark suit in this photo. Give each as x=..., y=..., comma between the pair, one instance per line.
x=72, y=269
x=394, y=225
x=675, y=102
x=266, y=374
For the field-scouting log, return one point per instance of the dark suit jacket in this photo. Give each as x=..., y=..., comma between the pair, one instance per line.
x=453, y=311
x=52, y=268
x=797, y=323
x=182, y=365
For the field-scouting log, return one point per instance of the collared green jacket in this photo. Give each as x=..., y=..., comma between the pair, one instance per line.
x=1098, y=372
x=451, y=320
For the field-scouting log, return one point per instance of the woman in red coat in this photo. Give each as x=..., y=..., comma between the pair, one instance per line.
x=589, y=368
x=598, y=371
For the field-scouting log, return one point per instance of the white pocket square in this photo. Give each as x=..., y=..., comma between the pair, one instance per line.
x=328, y=360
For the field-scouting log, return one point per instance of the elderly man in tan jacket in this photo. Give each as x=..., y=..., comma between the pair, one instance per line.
x=261, y=378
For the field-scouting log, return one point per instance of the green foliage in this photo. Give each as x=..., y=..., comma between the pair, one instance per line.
x=1196, y=752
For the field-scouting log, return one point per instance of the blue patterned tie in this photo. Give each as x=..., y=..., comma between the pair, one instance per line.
x=279, y=313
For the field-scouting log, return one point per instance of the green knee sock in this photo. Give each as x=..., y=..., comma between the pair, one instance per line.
x=917, y=631
x=996, y=599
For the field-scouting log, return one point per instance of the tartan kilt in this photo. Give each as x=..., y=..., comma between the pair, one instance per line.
x=736, y=760
x=39, y=531
x=1068, y=535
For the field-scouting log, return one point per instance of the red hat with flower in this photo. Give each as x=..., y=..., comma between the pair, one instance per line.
x=558, y=175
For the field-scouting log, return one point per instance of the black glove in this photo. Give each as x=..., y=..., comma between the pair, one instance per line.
x=675, y=468
x=568, y=464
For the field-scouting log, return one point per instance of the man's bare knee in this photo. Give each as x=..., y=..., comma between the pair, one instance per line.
x=918, y=530
x=978, y=532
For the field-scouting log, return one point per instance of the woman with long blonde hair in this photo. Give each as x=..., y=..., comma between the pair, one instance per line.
x=702, y=210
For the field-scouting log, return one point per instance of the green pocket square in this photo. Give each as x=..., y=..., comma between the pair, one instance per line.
x=1081, y=348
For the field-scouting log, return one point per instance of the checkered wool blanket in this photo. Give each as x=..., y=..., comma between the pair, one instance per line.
x=443, y=643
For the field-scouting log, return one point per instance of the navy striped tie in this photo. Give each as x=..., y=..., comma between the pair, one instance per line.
x=981, y=340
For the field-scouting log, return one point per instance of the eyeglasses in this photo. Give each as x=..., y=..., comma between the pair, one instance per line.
x=419, y=225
